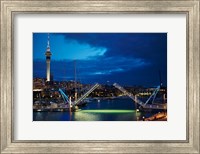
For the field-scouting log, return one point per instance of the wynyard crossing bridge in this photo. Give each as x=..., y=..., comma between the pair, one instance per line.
x=144, y=105
x=148, y=104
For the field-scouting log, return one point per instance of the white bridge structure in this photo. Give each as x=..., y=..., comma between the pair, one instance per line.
x=86, y=94
x=77, y=102
x=144, y=105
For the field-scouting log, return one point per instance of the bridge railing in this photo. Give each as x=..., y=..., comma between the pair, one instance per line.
x=125, y=92
x=155, y=106
x=86, y=94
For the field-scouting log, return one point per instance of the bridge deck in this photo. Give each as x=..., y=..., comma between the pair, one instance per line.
x=155, y=106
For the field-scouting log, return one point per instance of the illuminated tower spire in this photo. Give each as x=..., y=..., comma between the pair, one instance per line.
x=48, y=46
x=48, y=59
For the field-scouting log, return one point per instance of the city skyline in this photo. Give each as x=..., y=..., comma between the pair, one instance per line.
x=125, y=58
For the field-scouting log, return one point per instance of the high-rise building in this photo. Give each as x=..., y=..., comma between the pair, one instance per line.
x=48, y=60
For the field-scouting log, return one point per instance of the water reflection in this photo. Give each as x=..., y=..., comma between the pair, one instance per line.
x=105, y=110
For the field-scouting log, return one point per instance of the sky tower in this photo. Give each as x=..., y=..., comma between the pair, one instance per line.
x=48, y=59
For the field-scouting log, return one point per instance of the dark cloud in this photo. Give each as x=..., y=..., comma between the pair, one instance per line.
x=124, y=44
x=151, y=47
x=130, y=58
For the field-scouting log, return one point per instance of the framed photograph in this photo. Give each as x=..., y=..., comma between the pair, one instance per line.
x=100, y=76
x=82, y=80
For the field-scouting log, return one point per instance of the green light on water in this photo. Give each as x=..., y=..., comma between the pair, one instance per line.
x=108, y=111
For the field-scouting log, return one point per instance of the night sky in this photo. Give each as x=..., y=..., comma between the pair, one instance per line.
x=125, y=58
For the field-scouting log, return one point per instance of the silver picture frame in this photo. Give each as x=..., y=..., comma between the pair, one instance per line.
x=11, y=7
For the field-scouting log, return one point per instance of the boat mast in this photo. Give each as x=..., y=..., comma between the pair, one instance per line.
x=75, y=85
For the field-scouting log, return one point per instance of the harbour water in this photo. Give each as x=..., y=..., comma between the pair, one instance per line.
x=118, y=109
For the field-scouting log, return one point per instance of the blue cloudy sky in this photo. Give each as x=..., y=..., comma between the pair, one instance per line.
x=125, y=58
